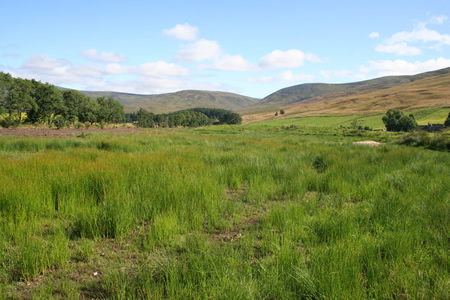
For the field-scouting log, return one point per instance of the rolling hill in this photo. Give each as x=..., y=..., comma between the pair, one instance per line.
x=318, y=92
x=164, y=103
x=417, y=94
x=429, y=89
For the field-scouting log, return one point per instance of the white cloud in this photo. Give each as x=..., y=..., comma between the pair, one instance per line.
x=283, y=59
x=402, y=67
x=158, y=75
x=420, y=34
x=106, y=57
x=87, y=70
x=374, y=35
x=399, y=42
x=399, y=48
x=287, y=59
x=161, y=69
x=230, y=63
x=286, y=76
x=438, y=19
x=43, y=63
x=113, y=69
x=314, y=58
x=182, y=32
x=199, y=51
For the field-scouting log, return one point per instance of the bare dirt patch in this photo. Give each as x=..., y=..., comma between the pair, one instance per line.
x=368, y=143
x=44, y=132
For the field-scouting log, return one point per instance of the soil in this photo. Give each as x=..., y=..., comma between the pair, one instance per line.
x=63, y=132
x=368, y=143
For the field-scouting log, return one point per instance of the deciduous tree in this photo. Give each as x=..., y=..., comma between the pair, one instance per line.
x=18, y=98
x=395, y=120
x=49, y=102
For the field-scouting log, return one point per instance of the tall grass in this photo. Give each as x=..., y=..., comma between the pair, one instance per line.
x=225, y=215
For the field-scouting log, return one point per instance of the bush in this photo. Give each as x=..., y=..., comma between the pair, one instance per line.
x=423, y=139
x=79, y=125
x=59, y=122
x=9, y=122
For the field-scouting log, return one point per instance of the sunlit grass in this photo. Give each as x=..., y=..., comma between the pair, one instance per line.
x=231, y=212
x=423, y=116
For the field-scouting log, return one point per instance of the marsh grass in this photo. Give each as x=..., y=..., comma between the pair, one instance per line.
x=222, y=214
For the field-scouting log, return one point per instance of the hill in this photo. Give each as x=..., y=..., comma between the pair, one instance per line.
x=417, y=94
x=318, y=92
x=164, y=103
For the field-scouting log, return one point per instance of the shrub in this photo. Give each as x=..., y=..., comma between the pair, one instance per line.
x=423, y=139
x=59, y=122
x=9, y=122
x=79, y=125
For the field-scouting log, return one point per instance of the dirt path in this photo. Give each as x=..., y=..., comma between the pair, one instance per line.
x=64, y=132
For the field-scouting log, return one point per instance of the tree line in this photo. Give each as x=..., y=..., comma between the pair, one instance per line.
x=193, y=117
x=43, y=103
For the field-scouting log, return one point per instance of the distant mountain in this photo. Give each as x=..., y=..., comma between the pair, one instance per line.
x=164, y=103
x=317, y=92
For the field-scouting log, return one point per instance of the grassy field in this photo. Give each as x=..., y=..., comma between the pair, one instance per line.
x=435, y=115
x=225, y=212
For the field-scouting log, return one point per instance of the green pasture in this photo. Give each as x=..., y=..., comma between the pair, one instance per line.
x=233, y=212
x=423, y=117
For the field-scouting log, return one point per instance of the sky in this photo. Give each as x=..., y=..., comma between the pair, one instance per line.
x=252, y=48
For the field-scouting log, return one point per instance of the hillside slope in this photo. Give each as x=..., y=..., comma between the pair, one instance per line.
x=317, y=92
x=164, y=103
x=422, y=93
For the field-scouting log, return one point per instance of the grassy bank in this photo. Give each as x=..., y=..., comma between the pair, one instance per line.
x=229, y=212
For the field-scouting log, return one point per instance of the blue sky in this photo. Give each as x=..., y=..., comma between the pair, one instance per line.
x=253, y=48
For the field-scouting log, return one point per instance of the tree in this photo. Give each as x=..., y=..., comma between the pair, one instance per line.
x=230, y=118
x=447, y=121
x=407, y=123
x=276, y=114
x=282, y=111
x=395, y=120
x=5, y=84
x=88, y=110
x=130, y=117
x=144, y=118
x=49, y=102
x=110, y=110
x=18, y=98
x=79, y=107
